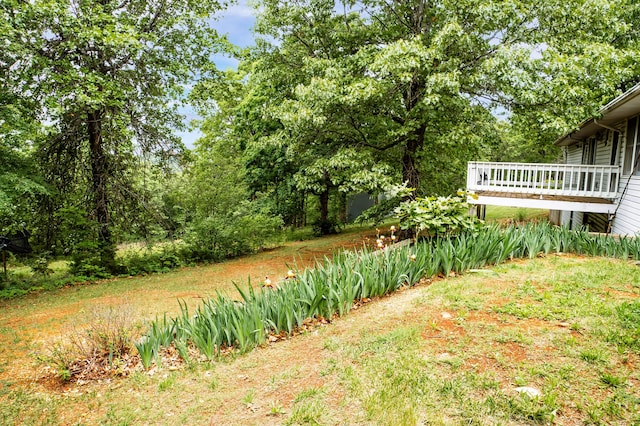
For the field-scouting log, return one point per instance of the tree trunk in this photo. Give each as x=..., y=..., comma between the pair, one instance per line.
x=99, y=187
x=410, y=172
x=344, y=214
x=324, y=206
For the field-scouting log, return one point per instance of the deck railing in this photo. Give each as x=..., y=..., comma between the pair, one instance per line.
x=544, y=179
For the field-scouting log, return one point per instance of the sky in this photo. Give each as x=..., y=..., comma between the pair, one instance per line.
x=237, y=23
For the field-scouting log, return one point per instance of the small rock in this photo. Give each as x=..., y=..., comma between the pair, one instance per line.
x=446, y=315
x=564, y=324
x=443, y=356
x=529, y=391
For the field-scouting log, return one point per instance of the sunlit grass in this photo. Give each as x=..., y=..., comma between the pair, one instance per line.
x=518, y=214
x=466, y=369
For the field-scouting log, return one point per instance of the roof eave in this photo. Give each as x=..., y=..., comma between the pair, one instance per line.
x=622, y=107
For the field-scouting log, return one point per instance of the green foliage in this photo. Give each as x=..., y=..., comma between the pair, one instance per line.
x=161, y=257
x=436, y=216
x=333, y=285
x=20, y=182
x=418, y=93
x=147, y=349
x=240, y=231
x=108, y=78
x=393, y=197
x=40, y=266
x=628, y=335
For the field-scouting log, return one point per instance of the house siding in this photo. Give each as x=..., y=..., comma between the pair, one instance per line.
x=603, y=153
x=576, y=220
x=574, y=155
x=568, y=218
x=627, y=220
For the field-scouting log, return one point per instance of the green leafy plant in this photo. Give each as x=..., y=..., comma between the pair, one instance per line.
x=436, y=216
x=147, y=349
x=40, y=266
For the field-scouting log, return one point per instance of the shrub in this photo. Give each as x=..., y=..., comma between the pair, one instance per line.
x=98, y=349
x=161, y=258
x=436, y=216
x=40, y=266
x=327, y=227
x=245, y=230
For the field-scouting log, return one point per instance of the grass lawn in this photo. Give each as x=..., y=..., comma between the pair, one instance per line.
x=516, y=214
x=449, y=352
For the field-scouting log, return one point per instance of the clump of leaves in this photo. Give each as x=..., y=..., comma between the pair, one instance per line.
x=40, y=266
x=437, y=216
x=392, y=198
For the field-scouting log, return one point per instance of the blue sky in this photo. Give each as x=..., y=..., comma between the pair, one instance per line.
x=237, y=23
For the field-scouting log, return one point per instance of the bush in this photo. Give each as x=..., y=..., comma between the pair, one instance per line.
x=40, y=266
x=100, y=349
x=437, y=216
x=327, y=227
x=243, y=231
x=160, y=258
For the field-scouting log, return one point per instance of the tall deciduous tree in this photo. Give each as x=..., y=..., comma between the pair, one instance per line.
x=105, y=74
x=405, y=77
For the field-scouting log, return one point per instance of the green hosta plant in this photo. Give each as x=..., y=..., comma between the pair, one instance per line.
x=437, y=216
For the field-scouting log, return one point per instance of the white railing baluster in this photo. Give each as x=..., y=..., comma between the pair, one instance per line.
x=544, y=179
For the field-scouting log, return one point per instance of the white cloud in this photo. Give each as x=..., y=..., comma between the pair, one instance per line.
x=240, y=10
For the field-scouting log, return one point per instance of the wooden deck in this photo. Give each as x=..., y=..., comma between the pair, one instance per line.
x=549, y=202
x=566, y=198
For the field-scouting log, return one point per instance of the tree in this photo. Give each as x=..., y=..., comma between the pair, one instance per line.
x=404, y=77
x=20, y=182
x=585, y=54
x=104, y=73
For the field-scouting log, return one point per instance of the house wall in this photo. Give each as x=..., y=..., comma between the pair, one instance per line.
x=574, y=154
x=603, y=155
x=577, y=220
x=627, y=220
